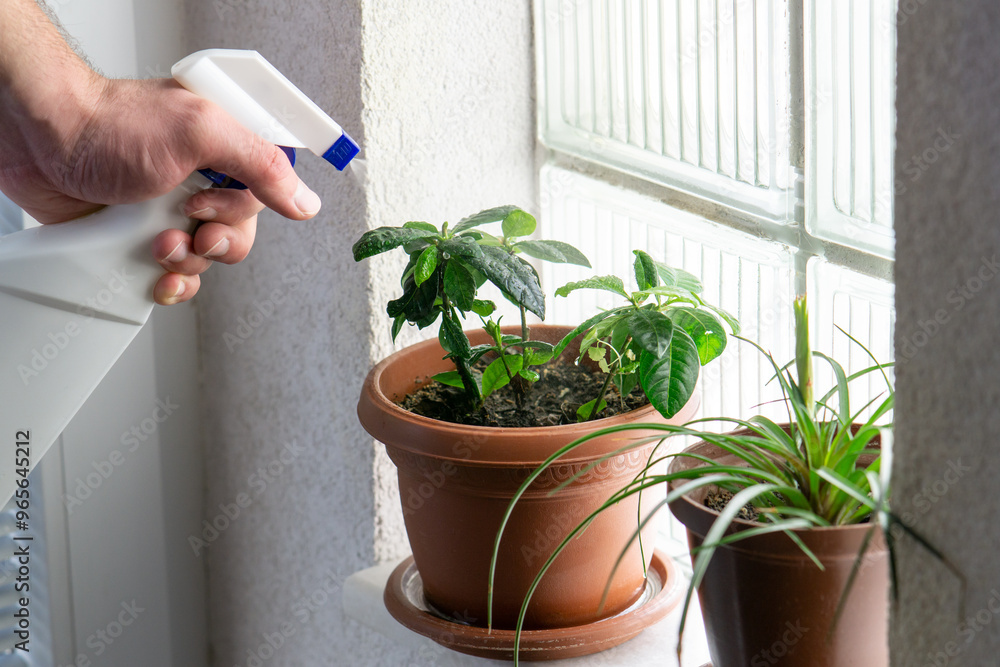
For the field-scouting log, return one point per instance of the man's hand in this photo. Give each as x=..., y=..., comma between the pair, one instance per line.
x=72, y=142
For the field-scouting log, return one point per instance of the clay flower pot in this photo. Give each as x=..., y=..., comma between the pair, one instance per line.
x=456, y=481
x=765, y=602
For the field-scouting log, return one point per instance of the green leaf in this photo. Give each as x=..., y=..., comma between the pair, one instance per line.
x=669, y=380
x=626, y=382
x=733, y=323
x=583, y=412
x=450, y=378
x=515, y=277
x=483, y=308
x=553, y=251
x=596, y=353
x=651, y=330
x=495, y=376
x=426, y=264
x=645, y=270
x=482, y=238
x=453, y=339
x=483, y=217
x=528, y=374
x=673, y=294
x=397, y=325
x=705, y=330
x=460, y=286
x=380, y=240
x=426, y=226
x=538, y=357
x=518, y=223
x=673, y=277
x=585, y=326
x=607, y=283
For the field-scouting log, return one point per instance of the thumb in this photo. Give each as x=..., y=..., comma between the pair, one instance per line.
x=265, y=170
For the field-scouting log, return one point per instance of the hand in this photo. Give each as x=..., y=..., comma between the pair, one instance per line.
x=72, y=141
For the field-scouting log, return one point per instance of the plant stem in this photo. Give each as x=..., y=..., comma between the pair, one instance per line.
x=600, y=396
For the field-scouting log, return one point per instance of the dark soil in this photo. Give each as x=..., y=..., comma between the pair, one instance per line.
x=562, y=388
x=717, y=499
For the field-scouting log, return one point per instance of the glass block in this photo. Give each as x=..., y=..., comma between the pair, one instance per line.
x=749, y=277
x=693, y=94
x=863, y=307
x=850, y=122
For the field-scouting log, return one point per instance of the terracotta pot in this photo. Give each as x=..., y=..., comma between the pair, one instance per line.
x=765, y=603
x=456, y=481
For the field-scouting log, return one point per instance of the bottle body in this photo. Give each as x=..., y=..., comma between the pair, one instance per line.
x=73, y=295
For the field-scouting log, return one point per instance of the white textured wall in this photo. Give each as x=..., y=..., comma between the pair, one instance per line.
x=439, y=94
x=948, y=314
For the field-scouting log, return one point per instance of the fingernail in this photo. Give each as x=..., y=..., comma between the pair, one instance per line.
x=178, y=254
x=306, y=200
x=205, y=214
x=181, y=288
x=219, y=249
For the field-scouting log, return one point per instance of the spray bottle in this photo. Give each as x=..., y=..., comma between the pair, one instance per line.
x=75, y=294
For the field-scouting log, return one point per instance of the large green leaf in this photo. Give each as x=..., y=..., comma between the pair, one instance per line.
x=518, y=223
x=426, y=264
x=380, y=240
x=607, y=283
x=670, y=380
x=645, y=270
x=515, y=277
x=483, y=217
x=651, y=330
x=705, y=330
x=495, y=376
x=553, y=251
x=460, y=286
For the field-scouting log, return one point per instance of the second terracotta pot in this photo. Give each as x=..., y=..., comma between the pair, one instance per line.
x=455, y=483
x=765, y=602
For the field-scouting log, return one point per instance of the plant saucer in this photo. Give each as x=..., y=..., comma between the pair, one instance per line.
x=404, y=598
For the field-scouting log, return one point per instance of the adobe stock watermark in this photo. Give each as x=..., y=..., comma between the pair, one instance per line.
x=230, y=512
x=773, y=654
x=434, y=479
x=101, y=639
x=263, y=309
x=957, y=299
x=52, y=344
x=966, y=632
x=131, y=440
x=302, y=611
x=545, y=541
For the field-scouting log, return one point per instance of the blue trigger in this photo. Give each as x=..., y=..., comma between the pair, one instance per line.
x=223, y=181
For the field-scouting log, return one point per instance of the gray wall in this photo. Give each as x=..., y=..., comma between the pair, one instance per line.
x=440, y=96
x=948, y=315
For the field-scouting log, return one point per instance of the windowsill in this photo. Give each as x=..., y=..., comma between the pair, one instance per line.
x=657, y=645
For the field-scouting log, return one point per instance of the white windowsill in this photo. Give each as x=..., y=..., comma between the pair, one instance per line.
x=657, y=645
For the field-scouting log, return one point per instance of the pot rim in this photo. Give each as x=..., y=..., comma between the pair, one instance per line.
x=376, y=409
x=697, y=517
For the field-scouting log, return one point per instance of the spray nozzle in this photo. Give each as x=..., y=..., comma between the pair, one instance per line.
x=263, y=100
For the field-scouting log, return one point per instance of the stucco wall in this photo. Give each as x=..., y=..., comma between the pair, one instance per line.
x=439, y=94
x=948, y=315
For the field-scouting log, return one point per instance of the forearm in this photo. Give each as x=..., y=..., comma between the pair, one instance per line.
x=44, y=86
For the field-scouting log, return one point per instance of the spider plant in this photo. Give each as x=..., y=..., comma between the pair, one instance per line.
x=824, y=468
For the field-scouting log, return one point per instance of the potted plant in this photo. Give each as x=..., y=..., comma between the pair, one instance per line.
x=792, y=568
x=456, y=479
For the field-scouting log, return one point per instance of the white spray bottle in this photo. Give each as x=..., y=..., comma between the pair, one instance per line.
x=75, y=294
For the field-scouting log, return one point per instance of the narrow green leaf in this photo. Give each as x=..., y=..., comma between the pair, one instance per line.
x=426, y=264
x=460, y=286
x=450, y=378
x=670, y=380
x=674, y=277
x=518, y=223
x=645, y=270
x=495, y=376
x=426, y=226
x=733, y=323
x=397, y=325
x=482, y=238
x=673, y=294
x=607, y=283
x=553, y=251
x=483, y=217
x=705, y=330
x=453, y=339
x=380, y=240
x=651, y=330
x=585, y=326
